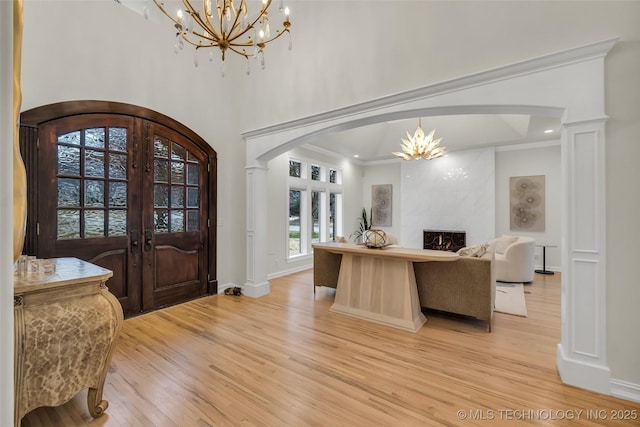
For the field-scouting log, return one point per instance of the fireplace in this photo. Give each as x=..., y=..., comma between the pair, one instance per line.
x=444, y=240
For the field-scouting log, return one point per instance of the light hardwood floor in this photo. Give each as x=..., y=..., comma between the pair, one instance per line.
x=285, y=360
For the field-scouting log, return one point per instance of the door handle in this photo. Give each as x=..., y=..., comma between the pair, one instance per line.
x=147, y=240
x=135, y=239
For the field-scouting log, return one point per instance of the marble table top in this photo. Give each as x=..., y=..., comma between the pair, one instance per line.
x=68, y=271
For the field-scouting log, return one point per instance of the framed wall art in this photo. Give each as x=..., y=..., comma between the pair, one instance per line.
x=526, y=203
x=381, y=197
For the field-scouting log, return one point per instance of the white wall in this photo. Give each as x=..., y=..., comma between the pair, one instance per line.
x=277, y=245
x=86, y=59
x=622, y=102
x=545, y=161
x=387, y=173
x=455, y=192
x=421, y=42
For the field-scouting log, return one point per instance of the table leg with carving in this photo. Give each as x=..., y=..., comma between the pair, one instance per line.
x=95, y=403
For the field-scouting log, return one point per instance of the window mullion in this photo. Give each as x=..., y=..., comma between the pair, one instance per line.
x=305, y=202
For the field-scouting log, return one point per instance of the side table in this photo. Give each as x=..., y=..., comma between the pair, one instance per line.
x=544, y=259
x=66, y=324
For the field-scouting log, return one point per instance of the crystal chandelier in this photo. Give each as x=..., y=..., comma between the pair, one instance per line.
x=419, y=146
x=225, y=24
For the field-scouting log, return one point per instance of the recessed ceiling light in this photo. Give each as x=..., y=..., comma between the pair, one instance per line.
x=548, y=131
x=356, y=155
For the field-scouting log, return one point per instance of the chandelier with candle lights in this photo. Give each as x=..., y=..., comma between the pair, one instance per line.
x=225, y=24
x=419, y=146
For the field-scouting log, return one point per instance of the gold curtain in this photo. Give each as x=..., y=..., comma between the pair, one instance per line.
x=19, y=172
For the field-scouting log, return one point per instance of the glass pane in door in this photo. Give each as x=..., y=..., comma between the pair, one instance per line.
x=92, y=183
x=176, y=187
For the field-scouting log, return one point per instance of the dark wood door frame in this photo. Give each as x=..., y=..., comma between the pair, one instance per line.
x=32, y=120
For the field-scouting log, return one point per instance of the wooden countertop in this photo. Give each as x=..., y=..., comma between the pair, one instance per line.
x=395, y=252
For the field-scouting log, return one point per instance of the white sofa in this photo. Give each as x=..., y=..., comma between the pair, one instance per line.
x=514, y=258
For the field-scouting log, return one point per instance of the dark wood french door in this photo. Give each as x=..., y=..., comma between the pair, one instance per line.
x=131, y=195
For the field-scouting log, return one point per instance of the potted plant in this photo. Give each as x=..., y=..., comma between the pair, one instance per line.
x=365, y=224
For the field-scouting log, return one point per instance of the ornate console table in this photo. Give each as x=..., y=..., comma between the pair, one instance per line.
x=66, y=323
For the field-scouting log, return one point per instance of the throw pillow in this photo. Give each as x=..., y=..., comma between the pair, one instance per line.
x=473, y=251
x=504, y=242
x=491, y=246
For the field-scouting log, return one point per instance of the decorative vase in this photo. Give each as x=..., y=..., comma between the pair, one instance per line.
x=375, y=238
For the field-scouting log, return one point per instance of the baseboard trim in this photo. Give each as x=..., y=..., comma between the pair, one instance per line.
x=248, y=289
x=583, y=374
x=625, y=390
x=259, y=290
x=289, y=271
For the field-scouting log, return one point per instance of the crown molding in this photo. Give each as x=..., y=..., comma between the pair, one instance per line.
x=595, y=120
x=528, y=145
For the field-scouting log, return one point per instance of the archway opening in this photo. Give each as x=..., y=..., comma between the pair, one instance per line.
x=582, y=352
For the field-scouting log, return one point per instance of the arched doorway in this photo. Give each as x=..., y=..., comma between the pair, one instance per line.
x=569, y=83
x=128, y=189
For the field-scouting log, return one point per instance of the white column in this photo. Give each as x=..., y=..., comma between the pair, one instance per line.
x=257, y=232
x=6, y=213
x=582, y=352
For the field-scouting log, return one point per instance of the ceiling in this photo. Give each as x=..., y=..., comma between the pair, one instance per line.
x=459, y=132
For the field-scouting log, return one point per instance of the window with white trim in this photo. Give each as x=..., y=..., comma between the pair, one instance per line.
x=315, y=205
